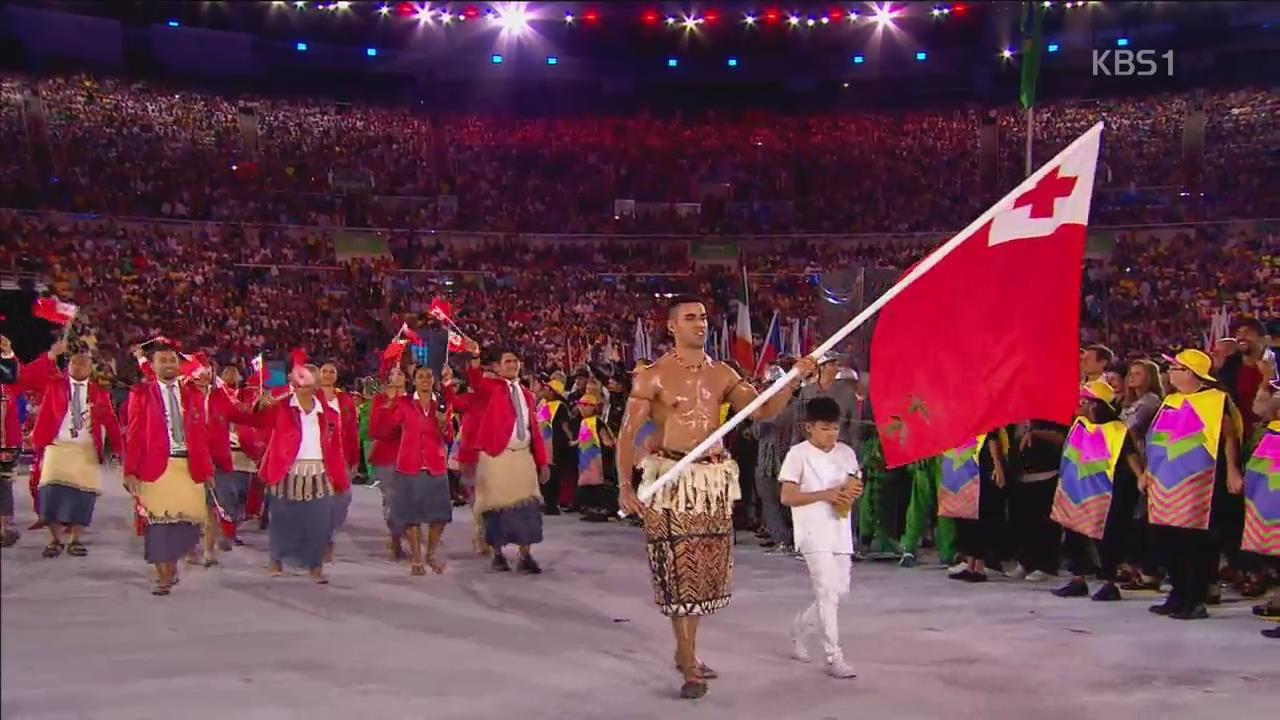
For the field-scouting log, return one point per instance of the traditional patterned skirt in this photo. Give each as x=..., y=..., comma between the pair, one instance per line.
x=508, y=497
x=69, y=484
x=420, y=499
x=689, y=530
x=302, y=515
x=176, y=509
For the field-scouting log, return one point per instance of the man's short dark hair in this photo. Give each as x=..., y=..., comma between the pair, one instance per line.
x=683, y=299
x=822, y=409
x=161, y=347
x=1249, y=323
x=494, y=354
x=1103, y=353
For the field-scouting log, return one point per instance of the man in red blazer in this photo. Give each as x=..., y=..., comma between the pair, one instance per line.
x=511, y=459
x=10, y=438
x=166, y=464
x=74, y=433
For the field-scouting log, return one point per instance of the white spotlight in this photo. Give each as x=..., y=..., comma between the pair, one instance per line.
x=884, y=14
x=793, y=20
x=1006, y=53
x=749, y=19
x=513, y=20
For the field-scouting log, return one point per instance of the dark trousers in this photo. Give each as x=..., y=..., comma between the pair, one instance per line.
x=981, y=538
x=1192, y=559
x=1036, y=537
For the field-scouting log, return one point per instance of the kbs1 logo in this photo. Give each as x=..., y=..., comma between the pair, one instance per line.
x=1132, y=63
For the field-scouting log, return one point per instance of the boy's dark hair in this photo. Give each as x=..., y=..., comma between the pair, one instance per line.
x=1104, y=354
x=681, y=299
x=1252, y=323
x=822, y=409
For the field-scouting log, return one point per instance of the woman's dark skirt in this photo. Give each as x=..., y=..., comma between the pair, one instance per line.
x=420, y=499
x=231, y=490
x=301, y=530
x=518, y=525
x=65, y=505
x=169, y=542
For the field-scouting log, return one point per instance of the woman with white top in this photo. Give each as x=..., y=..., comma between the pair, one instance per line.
x=304, y=469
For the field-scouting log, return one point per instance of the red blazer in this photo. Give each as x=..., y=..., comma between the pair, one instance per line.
x=285, y=423
x=422, y=444
x=350, y=426
x=494, y=419
x=147, y=435
x=253, y=442
x=386, y=438
x=222, y=411
x=55, y=388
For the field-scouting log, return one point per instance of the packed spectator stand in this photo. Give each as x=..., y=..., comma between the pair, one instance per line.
x=159, y=195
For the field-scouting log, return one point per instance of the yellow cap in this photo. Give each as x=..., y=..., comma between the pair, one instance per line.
x=588, y=400
x=1098, y=390
x=557, y=386
x=1195, y=361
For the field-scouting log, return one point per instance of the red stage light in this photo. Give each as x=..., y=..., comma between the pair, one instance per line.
x=650, y=17
x=959, y=8
x=771, y=16
x=591, y=16
x=405, y=9
x=835, y=14
x=711, y=16
x=471, y=13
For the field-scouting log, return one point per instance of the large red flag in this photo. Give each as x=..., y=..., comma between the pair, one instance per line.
x=988, y=332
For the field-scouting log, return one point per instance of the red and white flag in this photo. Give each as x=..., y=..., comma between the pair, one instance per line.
x=986, y=331
x=54, y=311
x=456, y=343
x=257, y=370
x=772, y=346
x=410, y=335
x=441, y=310
x=742, y=347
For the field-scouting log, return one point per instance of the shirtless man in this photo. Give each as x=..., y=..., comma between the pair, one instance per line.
x=689, y=523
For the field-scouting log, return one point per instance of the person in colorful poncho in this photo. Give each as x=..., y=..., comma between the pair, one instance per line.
x=593, y=437
x=1097, y=492
x=553, y=422
x=1262, y=495
x=972, y=492
x=1193, y=465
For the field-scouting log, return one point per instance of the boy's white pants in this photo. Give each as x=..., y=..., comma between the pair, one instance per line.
x=829, y=573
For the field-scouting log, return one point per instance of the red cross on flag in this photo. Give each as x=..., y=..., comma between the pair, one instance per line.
x=984, y=332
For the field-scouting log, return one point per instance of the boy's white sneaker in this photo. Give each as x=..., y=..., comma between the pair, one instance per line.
x=1038, y=576
x=799, y=652
x=838, y=668
x=963, y=565
x=1018, y=573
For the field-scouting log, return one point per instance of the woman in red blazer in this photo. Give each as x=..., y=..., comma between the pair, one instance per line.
x=382, y=456
x=349, y=424
x=418, y=492
x=304, y=469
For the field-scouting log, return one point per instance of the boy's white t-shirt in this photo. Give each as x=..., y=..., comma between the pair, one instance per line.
x=817, y=526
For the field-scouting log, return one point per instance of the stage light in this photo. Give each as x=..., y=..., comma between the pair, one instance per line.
x=174, y=23
x=921, y=56
x=383, y=9
x=278, y=3
x=793, y=20
x=513, y=20
x=495, y=59
x=445, y=17
x=1006, y=53
x=553, y=60
x=733, y=62
x=300, y=47
x=343, y=5
x=1053, y=47
x=671, y=19
x=835, y=14
x=591, y=16
x=1048, y=4
x=825, y=20
x=711, y=16
x=810, y=21
x=853, y=16
x=884, y=14
x=1122, y=42
x=300, y=5
x=749, y=19
x=422, y=14
x=568, y=18
x=858, y=59
x=371, y=52
x=672, y=62
x=771, y=16
x=650, y=17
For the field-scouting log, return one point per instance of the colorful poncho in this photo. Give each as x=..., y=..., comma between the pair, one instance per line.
x=961, y=481
x=1182, y=458
x=1262, y=495
x=590, y=453
x=1087, y=476
x=545, y=414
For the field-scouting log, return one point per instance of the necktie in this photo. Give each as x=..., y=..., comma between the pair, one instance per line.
x=522, y=423
x=77, y=409
x=176, y=432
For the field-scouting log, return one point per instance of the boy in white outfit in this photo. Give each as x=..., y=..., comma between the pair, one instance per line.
x=820, y=480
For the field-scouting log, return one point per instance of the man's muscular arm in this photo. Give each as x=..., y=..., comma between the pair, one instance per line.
x=639, y=406
x=741, y=393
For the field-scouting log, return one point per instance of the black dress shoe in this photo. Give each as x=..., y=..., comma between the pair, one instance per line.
x=1072, y=589
x=1168, y=607
x=528, y=566
x=1107, y=593
x=1195, y=612
x=499, y=563
x=1272, y=633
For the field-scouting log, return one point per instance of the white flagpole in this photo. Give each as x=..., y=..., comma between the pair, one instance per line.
x=924, y=266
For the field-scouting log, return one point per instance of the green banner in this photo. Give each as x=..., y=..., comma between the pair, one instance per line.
x=1032, y=48
x=351, y=244
x=1099, y=244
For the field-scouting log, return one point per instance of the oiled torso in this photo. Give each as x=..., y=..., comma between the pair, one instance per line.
x=686, y=402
